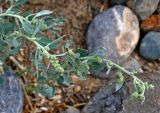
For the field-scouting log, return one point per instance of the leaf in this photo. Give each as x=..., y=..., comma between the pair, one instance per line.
x=15, y=43
x=2, y=45
x=44, y=41
x=39, y=25
x=14, y=50
x=68, y=43
x=42, y=13
x=27, y=27
x=13, y=10
x=118, y=86
x=42, y=78
x=97, y=67
x=47, y=91
x=65, y=79
x=27, y=13
x=59, y=20
x=82, y=52
x=19, y=2
x=6, y=27
x=60, y=80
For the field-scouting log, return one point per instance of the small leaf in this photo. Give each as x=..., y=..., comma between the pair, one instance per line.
x=13, y=10
x=44, y=41
x=14, y=50
x=42, y=13
x=39, y=25
x=42, y=78
x=118, y=86
x=19, y=2
x=27, y=27
x=6, y=27
x=97, y=67
x=27, y=13
x=47, y=91
x=15, y=43
x=60, y=80
x=2, y=45
x=82, y=52
x=68, y=43
x=64, y=79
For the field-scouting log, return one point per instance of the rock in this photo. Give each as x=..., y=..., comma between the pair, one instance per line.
x=116, y=30
x=152, y=100
x=150, y=46
x=118, y=2
x=11, y=94
x=106, y=100
x=158, y=9
x=144, y=8
x=152, y=23
x=71, y=110
x=132, y=64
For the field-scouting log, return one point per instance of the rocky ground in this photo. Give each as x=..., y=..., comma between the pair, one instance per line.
x=129, y=34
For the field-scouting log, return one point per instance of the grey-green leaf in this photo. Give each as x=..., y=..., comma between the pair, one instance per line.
x=82, y=52
x=39, y=25
x=27, y=27
x=42, y=13
x=118, y=86
x=47, y=91
x=19, y=2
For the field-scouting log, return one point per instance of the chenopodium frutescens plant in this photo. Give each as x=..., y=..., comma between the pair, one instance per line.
x=15, y=26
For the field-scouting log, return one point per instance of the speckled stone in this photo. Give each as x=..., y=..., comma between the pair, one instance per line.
x=106, y=100
x=150, y=46
x=11, y=94
x=71, y=110
x=144, y=8
x=116, y=30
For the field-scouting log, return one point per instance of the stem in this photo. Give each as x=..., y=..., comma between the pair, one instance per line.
x=60, y=55
x=36, y=43
x=88, y=58
x=11, y=15
x=125, y=71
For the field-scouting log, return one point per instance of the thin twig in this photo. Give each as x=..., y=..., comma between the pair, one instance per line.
x=26, y=95
x=79, y=104
x=22, y=68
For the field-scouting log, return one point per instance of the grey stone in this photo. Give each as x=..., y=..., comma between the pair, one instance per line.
x=71, y=110
x=144, y=8
x=132, y=64
x=106, y=100
x=11, y=94
x=150, y=46
x=116, y=30
x=158, y=9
